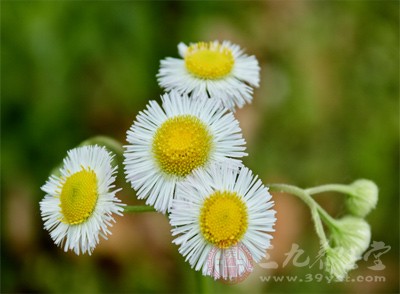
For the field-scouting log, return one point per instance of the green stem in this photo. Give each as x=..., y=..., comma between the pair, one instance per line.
x=329, y=187
x=285, y=188
x=307, y=199
x=138, y=209
x=330, y=221
x=319, y=228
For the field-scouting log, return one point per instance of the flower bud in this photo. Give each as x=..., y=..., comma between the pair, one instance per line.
x=338, y=262
x=351, y=233
x=363, y=197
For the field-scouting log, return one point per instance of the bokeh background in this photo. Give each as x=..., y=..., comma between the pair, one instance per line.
x=327, y=111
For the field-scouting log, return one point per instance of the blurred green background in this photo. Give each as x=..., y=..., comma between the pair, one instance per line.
x=326, y=111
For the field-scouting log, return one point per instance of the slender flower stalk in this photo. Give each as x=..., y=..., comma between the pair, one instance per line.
x=138, y=209
x=362, y=195
x=310, y=202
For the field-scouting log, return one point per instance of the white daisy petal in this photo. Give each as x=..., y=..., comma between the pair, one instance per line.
x=212, y=69
x=167, y=143
x=222, y=219
x=79, y=204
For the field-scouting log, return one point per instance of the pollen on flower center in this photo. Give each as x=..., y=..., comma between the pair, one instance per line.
x=78, y=197
x=181, y=144
x=209, y=60
x=223, y=219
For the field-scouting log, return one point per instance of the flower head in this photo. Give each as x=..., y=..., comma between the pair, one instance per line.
x=167, y=143
x=221, y=217
x=212, y=69
x=79, y=204
x=363, y=198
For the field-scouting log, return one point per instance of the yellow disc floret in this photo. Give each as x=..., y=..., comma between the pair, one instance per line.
x=78, y=197
x=209, y=60
x=181, y=144
x=223, y=219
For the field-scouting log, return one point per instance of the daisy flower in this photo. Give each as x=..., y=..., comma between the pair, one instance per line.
x=79, y=204
x=219, y=212
x=167, y=143
x=212, y=69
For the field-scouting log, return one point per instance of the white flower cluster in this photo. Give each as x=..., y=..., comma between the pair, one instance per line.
x=184, y=158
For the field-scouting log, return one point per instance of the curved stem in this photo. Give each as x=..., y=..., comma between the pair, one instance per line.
x=319, y=228
x=307, y=199
x=329, y=220
x=329, y=187
x=110, y=143
x=294, y=191
x=138, y=208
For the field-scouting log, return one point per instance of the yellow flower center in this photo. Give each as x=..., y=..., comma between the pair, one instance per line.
x=181, y=144
x=223, y=219
x=209, y=60
x=78, y=197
